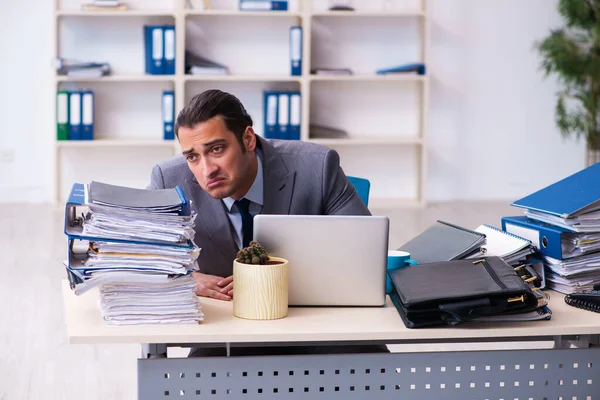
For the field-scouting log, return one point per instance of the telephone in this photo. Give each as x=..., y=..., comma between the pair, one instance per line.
x=585, y=300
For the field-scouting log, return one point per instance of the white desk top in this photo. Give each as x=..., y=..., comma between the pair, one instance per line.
x=85, y=325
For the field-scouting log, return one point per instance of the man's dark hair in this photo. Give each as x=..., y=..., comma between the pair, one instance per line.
x=211, y=103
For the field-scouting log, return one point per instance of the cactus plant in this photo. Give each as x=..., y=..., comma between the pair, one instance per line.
x=253, y=254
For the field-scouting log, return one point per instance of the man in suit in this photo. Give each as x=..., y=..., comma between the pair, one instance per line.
x=223, y=161
x=231, y=174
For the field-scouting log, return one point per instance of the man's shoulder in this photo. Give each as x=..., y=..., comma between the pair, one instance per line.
x=297, y=149
x=173, y=170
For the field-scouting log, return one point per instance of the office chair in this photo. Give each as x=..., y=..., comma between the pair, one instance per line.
x=362, y=187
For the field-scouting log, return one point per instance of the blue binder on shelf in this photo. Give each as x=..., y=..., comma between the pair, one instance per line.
x=570, y=197
x=295, y=116
x=296, y=50
x=263, y=5
x=283, y=115
x=87, y=115
x=271, y=129
x=168, y=114
x=154, y=49
x=75, y=126
x=547, y=238
x=169, y=49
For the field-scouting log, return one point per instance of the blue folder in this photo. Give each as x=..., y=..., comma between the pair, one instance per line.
x=154, y=49
x=419, y=68
x=570, y=197
x=545, y=237
x=73, y=227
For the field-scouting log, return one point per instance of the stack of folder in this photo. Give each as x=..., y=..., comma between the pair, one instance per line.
x=137, y=247
x=562, y=221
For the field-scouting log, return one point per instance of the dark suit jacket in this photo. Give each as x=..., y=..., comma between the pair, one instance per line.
x=299, y=178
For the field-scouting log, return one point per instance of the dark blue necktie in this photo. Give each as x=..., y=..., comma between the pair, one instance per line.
x=243, y=206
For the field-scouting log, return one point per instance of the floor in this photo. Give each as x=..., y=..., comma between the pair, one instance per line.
x=38, y=362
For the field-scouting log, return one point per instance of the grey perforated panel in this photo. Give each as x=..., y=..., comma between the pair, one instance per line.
x=533, y=374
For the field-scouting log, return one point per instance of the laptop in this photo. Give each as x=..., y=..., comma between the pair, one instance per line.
x=334, y=260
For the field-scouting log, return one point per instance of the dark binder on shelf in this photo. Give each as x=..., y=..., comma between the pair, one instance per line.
x=456, y=291
x=443, y=241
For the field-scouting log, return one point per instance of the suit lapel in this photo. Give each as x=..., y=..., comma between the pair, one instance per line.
x=211, y=218
x=278, y=181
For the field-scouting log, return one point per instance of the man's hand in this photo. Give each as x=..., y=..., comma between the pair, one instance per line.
x=213, y=286
x=227, y=285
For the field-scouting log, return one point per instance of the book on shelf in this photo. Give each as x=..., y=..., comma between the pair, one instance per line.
x=81, y=69
x=331, y=71
x=198, y=65
x=104, y=5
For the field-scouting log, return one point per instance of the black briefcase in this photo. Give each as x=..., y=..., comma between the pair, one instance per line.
x=450, y=292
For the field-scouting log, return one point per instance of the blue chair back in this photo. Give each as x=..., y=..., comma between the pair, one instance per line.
x=362, y=187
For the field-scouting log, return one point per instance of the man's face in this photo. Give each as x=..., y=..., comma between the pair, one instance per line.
x=216, y=159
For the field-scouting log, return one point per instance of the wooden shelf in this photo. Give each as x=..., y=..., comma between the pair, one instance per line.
x=369, y=78
x=221, y=36
x=386, y=14
x=404, y=141
x=243, y=78
x=118, y=78
x=239, y=13
x=116, y=13
x=114, y=143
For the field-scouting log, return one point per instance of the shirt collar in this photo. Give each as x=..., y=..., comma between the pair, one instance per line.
x=256, y=192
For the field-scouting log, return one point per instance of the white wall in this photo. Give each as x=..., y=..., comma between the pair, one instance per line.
x=491, y=136
x=27, y=127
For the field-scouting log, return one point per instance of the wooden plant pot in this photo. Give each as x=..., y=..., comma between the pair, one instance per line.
x=261, y=291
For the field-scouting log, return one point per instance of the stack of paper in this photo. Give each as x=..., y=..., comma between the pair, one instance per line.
x=563, y=222
x=168, y=302
x=136, y=246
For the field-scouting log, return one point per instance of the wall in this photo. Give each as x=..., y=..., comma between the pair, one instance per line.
x=491, y=136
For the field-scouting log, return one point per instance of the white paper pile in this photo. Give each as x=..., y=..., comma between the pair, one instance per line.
x=139, y=251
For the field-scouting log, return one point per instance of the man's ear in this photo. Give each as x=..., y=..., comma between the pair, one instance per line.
x=249, y=139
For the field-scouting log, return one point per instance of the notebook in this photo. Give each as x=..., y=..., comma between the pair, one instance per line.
x=444, y=241
x=503, y=244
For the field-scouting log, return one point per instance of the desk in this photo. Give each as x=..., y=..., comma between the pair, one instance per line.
x=508, y=374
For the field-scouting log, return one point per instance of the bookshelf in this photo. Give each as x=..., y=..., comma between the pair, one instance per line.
x=385, y=115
